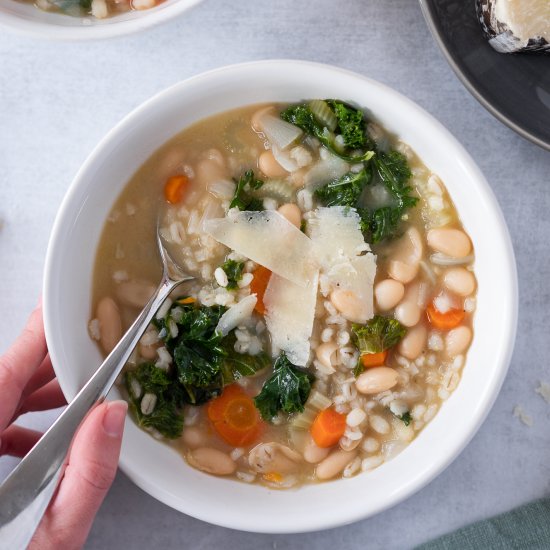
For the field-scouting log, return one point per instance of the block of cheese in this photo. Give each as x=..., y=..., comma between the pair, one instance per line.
x=516, y=25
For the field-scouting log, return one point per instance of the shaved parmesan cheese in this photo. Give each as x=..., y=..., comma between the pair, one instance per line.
x=343, y=255
x=336, y=232
x=290, y=311
x=268, y=239
x=236, y=315
x=522, y=415
x=544, y=391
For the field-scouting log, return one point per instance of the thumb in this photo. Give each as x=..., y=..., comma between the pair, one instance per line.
x=90, y=471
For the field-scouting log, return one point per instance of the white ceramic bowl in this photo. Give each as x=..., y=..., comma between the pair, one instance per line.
x=161, y=471
x=26, y=18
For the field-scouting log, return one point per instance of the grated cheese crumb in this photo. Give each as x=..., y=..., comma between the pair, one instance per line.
x=544, y=391
x=94, y=329
x=523, y=416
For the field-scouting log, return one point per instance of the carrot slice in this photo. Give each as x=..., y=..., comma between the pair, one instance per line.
x=444, y=321
x=258, y=285
x=234, y=417
x=273, y=477
x=328, y=427
x=187, y=300
x=174, y=188
x=374, y=359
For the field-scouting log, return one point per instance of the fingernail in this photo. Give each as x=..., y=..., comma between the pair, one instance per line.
x=113, y=419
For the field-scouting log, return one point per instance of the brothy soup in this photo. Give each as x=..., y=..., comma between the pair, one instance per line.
x=331, y=309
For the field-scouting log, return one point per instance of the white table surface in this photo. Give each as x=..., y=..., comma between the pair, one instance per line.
x=58, y=100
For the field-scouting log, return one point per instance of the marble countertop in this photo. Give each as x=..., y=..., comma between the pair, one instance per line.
x=58, y=100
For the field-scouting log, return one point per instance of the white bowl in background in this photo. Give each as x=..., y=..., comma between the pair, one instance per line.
x=157, y=468
x=26, y=18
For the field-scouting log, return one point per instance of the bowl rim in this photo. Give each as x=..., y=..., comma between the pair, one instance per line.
x=493, y=385
x=108, y=28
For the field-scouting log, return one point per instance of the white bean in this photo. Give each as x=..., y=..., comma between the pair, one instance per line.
x=143, y=4
x=457, y=340
x=325, y=352
x=313, y=453
x=334, y=464
x=349, y=305
x=292, y=213
x=406, y=256
x=401, y=271
x=460, y=281
x=408, y=313
x=135, y=293
x=388, y=293
x=148, y=351
x=452, y=242
x=414, y=342
x=376, y=380
x=110, y=323
x=212, y=461
x=270, y=167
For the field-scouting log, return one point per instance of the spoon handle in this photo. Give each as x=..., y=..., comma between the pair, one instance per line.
x=27, y=491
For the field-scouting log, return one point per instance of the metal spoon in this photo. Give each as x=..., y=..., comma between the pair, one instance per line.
x=27, y=491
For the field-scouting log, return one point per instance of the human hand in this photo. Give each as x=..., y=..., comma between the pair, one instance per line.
x=28, y=383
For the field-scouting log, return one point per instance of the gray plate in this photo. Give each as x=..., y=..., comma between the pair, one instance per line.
x=515, y=88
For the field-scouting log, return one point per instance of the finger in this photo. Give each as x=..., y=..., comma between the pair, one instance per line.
x=19, y=363
x=41, y=377
x=47, y=397
x=18, y=441
x=91, y=468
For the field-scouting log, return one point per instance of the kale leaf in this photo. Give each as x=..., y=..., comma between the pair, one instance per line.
x=377, y=335
x=236, y=365
x=286, y=390
x=302, y=116
x=351, y=126
x=234, y=272
x=204, y=360
x=197, y=351
x=242, y=199
x=344, y=191
x=167, y=415
x=394, y=172
x=406, y=418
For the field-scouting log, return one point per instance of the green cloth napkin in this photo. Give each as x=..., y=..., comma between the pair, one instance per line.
x=525, y=527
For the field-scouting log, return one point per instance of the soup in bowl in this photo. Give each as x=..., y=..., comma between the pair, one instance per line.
x=342, y=281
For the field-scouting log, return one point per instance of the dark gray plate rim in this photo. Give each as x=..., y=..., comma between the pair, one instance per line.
x=435, y=28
